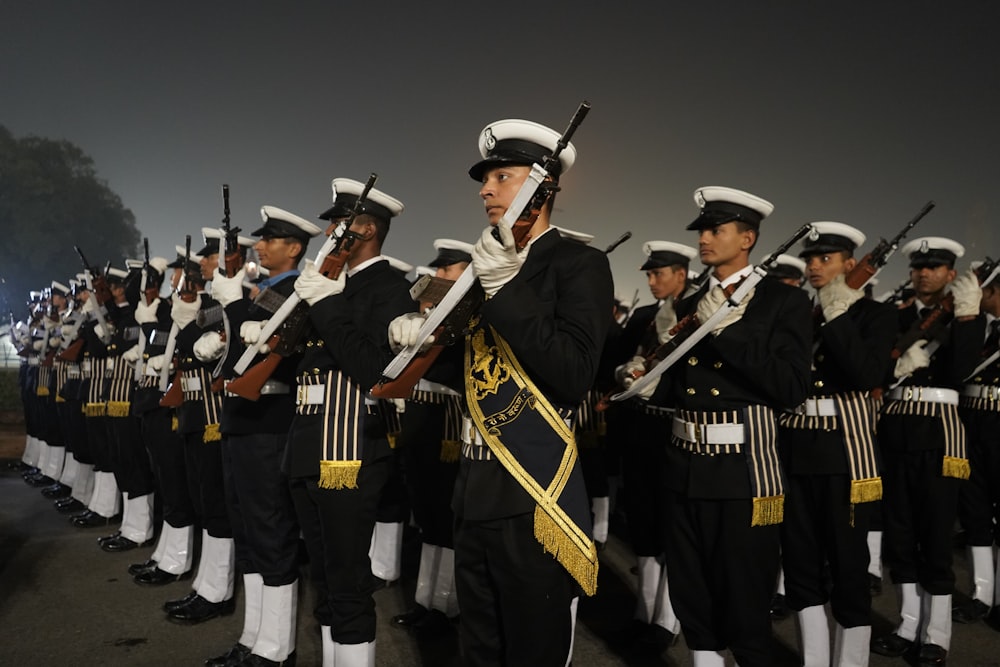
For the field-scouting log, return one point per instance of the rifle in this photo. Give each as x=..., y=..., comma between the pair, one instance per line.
x=230, y=239
x=173, y=394
x=448, y=319
x=871, y=263
x=620, y=240
x=293, y=315
x=689, y=330
x=97, y=285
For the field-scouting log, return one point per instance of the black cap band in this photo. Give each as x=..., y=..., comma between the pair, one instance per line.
x=661, y=258
x=826, y=243
x=718, y=212
x=449, y=256
x=344, y=206
x=513, y=151
x=282, y=229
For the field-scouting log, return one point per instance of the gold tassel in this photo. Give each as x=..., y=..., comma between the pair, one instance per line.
x=118, y=408
x=174, y=423
x=339, y=474
x=866, y=490
x=581, y=566
x=391, y=437
x=96, y=409
x=955, y=467
x=60, y=399
x=768, y=511
x=212, y=433
x=450, y=450
x=42, y=391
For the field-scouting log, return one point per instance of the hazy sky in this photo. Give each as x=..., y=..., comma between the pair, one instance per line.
x=851, y=111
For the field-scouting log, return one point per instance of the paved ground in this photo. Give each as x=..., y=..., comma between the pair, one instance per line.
x=65, y=602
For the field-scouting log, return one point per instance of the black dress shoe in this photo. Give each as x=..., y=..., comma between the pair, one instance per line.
x=932, y=655
x=69, y=506
x=971, y=612
x=891, y=646
x=57, y=490
x=93, y=520
x=138, y=568
x=657, y=637
x=253, y=660
x=106, y=538
x=171, y=605
x=39, y=481
x=199, y=610
x=410, y=618
x=234, y=656
x=121, y=543
x=434, y=624
x=158, y=577
x=779, y=608
x=874, y=584
x=993, y=618
x=19, y=466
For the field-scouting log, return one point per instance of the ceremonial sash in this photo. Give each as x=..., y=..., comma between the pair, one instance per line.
x=526, y=434
x=955, y=462
x=855, y=419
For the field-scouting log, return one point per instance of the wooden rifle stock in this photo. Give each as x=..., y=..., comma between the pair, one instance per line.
x=72, y=351
x=174, y=397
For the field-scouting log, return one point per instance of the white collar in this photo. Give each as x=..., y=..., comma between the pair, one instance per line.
x=364, y=265
x=730, y=280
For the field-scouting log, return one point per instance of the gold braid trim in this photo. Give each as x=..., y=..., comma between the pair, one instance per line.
x=118, y=408
x=95, y=409
x=339, y=474
x=866, y=490
x=555, y=541
x=212, y=433
x=450, y=451
x=768, y=511
x=954, y=467
x=42, y=391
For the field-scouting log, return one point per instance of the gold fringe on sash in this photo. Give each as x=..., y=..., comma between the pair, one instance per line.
x=555, y=541
x=174, y=424
x=768, y=511
x=339, y=474
x=118, y=408
x=866, y=490
x=450, y=451
x=212, y=433
x=95, y=409
x=954, y=467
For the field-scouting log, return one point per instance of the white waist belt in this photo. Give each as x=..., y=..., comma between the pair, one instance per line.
x=315, y=394
x=709, y=434
x=817, y=407
x=988, y=391
x=190, y=384
x=470, y=434
x=33, y=361
x=435, y=388
x=925, y=394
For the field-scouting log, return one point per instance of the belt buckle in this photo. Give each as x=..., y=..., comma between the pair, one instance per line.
x=699, y=433
x=992, y=392
x=300, y=394
x=908, y=394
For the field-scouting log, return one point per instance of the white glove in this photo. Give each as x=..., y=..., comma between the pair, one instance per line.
x=182, y=312
x=496, y=263
x=145, y=314
x=54, y=341
x=156, y=363
x=209, y=347
x=103, y=331
x=713, y=300
x=666, y=319
x=630, y=371
x=403, y=332
x=399, y=404
x=967, y=294
x=313, y=286
x=913, y=359
x=836, y=297
x=131, y=355
x=227, y=290
x=250, y=333
x=49, y=323
x=38, y=345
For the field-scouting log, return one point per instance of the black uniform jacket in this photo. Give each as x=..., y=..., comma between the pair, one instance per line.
x=763, y=359
x=554, y=315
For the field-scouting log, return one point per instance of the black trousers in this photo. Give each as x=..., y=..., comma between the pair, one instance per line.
x=429, y=480
x=261, y=513
x=644, y=437
x=100, y=445
x=515, y=598
x=721, y=573
x=337, y=525
x=166, y=451
x=133, y=470
x=203, y=461
x=824, y=548
x=77, y=433
x=979, y=500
